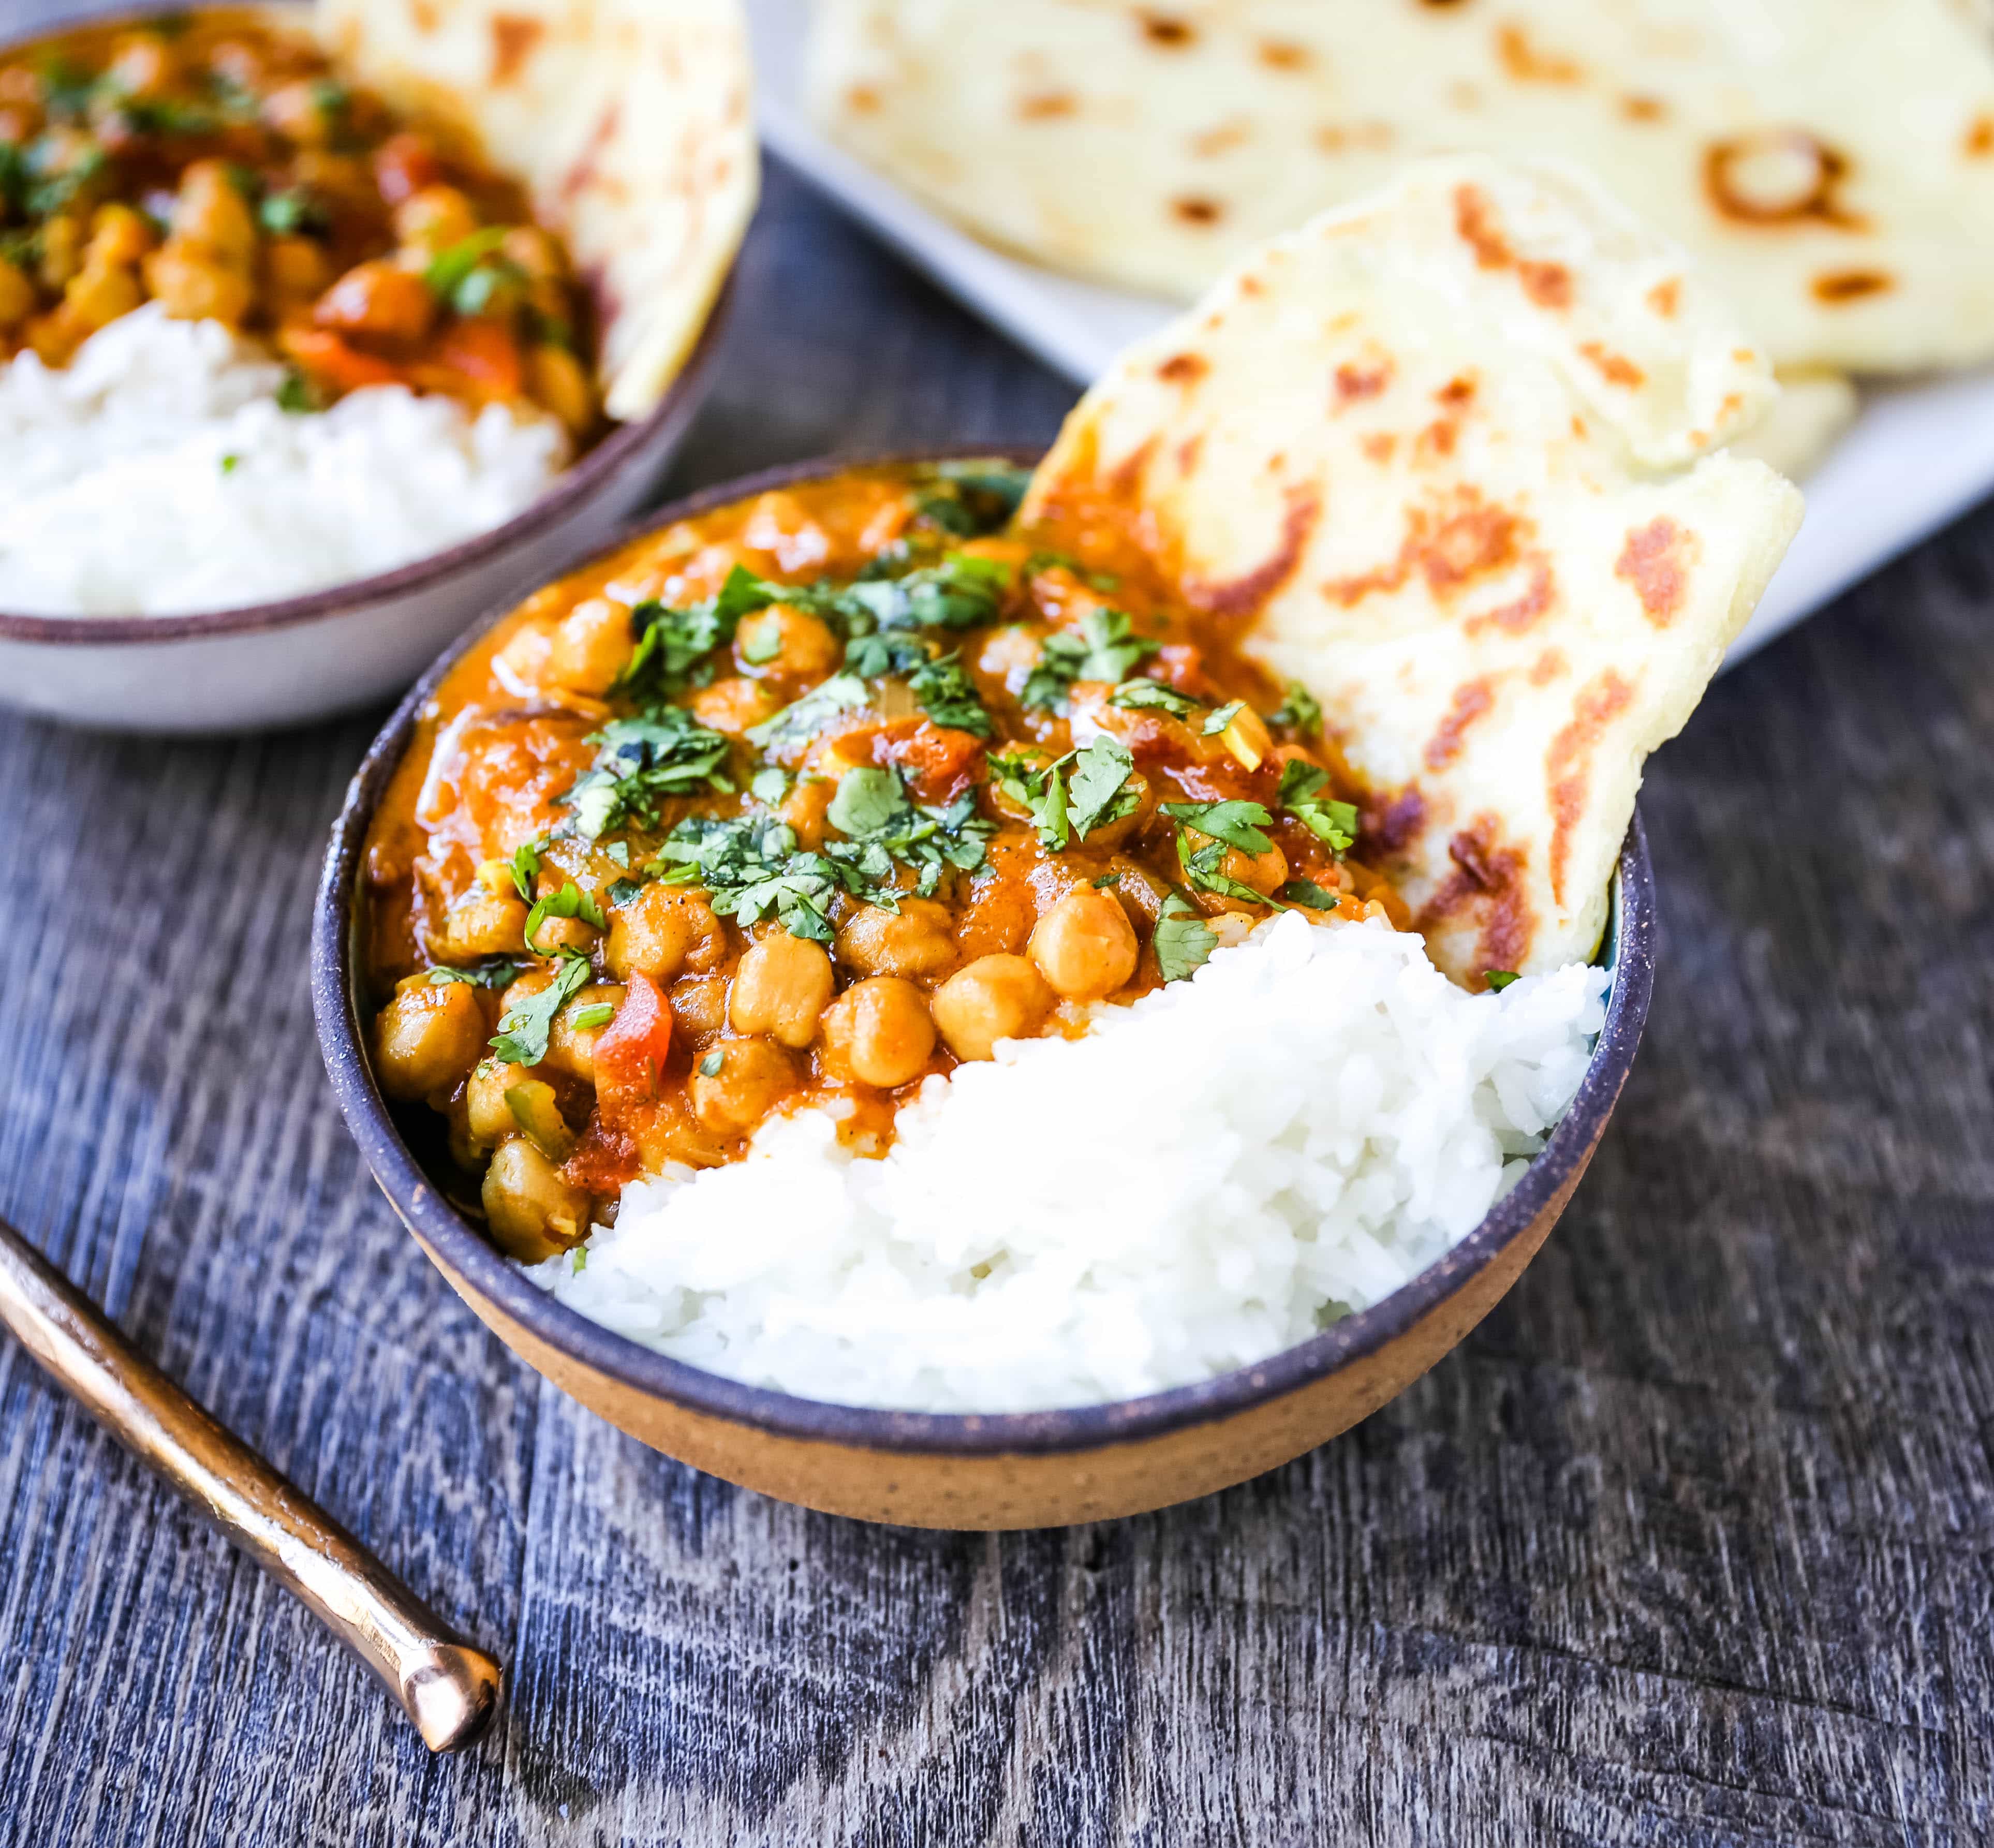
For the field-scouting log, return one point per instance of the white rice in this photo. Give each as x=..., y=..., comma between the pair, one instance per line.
x=1210, y=1175
x=123, y=500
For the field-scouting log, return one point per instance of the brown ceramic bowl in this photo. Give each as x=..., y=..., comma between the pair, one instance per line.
x=351, y=644
x=1012, y=1469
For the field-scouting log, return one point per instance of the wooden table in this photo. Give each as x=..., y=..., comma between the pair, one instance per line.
x=1692, y=1542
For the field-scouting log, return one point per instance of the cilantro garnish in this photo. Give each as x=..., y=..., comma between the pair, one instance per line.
x=297, y=395
x=1182, y=940
x=449, y=268
x=569, y=901
x=1106, y=648
x=1041, y=790
x=880, y=654
x=296, y=209
x=525, y=867
x=1306, y=892
x=885, y=825
x=709, y=1066
x=1137, y=695
x=1225, y=824
x=623, y=891
x=960, y=592
x=769, y=784
x=750, y=870
x=1097, y=788
x=1216, y=723
x=1499, y=980
x=1333, y=823
x=598, y=1013
x=797, y=724
x=521, y=1037
x=1065, y=561
x=641, y=761
x=497, y=972
x=673, y=643
x=1299, y=713
x=949, y=696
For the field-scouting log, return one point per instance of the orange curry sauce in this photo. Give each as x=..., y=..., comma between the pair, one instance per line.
x=218, y=165
x=806, y=800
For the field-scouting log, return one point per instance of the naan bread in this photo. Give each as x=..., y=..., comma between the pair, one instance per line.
x=1812, y=409
x=1448, y=457
x=1830, y=162
x=630, y=120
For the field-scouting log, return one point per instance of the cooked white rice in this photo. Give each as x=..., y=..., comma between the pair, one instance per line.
x=156, y=473
x=1210, y=1175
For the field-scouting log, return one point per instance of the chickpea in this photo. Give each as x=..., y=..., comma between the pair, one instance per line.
x=804, y=809
x=296, y=270
x=783, y=643
x=17, y=297
x=62, y=251
x=699, y=1008
x=782, y=988
x=734, y=706
x=191, y=284
x=488, y=1116
x=664, y=929
x=571, y=1048
x=556, y=934
x=97, y=296
x=55, y=337
x=1009, y=655
x=532, y=1212
x=428, y=1036
x=749, y=1078
x=917, y=939
x=559, y=383
x=879, y=1032
x=529, y=248
x=994, y=997
x=118, y=237
x=1085, y=946
x=592, y=646
x=210, y=212
x=142, y=65
x=377, y=298
x=481, y=923
x=433, y=219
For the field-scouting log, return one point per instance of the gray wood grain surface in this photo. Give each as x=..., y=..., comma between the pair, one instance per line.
x=1692, y=1543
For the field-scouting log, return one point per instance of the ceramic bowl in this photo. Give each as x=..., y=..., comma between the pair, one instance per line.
x=924, y=1469
x=352, y=644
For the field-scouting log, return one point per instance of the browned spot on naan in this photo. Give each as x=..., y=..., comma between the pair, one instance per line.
x=585, y=169
x=1448, y=552
x=1527, y=64
x=1193, y=209
x=1280, y=54
x=1519, y=614
x=1183, y=369
x=1615, y=368
x=424, y=14
x=1666, y=297
x=1378, y=445
x=1656, y=560
x=1166, y=29
x=1472, y=698
x=862, y=99
x=1549, y=285
x=1390, y=827
x=1979, y=140
x=1243, y=596
x=513, y=38
x=1547, y=666
x=1354, y=382
x=1045, y=105
x=1835, y=286
x=1811, y=172
x=1488, y=880
x=1569, y=763
x=1636, y=107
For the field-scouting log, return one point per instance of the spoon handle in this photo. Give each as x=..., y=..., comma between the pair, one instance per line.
x=447, y=1685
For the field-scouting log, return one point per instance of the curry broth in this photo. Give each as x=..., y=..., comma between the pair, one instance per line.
x=806, y=800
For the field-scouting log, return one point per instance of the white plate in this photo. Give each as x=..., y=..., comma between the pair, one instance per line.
x=1916, y=454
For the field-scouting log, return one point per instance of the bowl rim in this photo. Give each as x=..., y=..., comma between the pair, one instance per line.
x=570, y=490
x=459, y=1245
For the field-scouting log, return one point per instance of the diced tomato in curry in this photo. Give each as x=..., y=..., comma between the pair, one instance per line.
x=805, y=800
x=216, y=164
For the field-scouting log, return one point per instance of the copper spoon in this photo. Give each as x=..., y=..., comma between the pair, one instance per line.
x=447, y=1685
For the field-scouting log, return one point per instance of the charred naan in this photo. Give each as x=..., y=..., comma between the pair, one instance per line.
x=1830, y=162
x=629, y=119
x=1453, y=457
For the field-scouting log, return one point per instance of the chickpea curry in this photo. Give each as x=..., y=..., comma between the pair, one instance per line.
x=806, y=800
x=216, y=164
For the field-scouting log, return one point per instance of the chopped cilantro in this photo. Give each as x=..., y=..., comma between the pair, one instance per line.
x=769, y=784
x=623, y=891
x=1237, y=823
x=885, y=826
x=526, y=867
x=751, y=869
x=1039, y=789
x=797, y=724
x=1105, y=648
x=673, y=643
x=960, y=592
x=949, y=696
x=709, y=1066
x=618, y=852
x=760, y=643
x=1499, y=980
x=1333, y=823
x=1104, y=581
x=577, y=1261
x=598, y=1013
x=1101, y=881
x=879, y=654
x=1097, y=788
x=449, y=268
x=867, y=800
x=1299, y=713
x=1216, y=723
x=1306, y=892
x=297, y=395
x=497, y=972
x=521, y=1037
x=293, y=210
x=1137, y=695
x=569, y=901
x=1182, y=940
x=230, y=462
x=641, y=761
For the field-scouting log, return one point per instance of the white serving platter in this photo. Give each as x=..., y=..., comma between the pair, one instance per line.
x=1917, y=454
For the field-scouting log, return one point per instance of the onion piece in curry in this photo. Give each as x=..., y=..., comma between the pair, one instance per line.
x=805, y=800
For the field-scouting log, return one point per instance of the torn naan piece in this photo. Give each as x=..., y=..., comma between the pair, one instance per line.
x=1452, y=458
x=1830, y=162
x=630, y=120
x=1813, y=410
